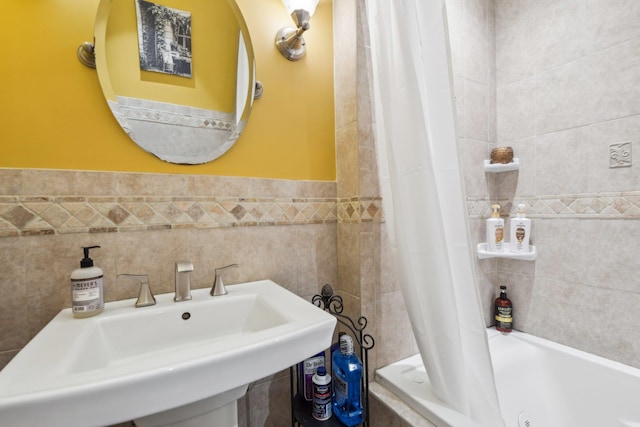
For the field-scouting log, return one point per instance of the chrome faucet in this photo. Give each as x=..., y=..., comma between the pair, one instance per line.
x=145, y=297
x=183, y=281
x=218, y=286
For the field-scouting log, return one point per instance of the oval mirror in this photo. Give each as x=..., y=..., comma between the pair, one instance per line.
x=178, y=75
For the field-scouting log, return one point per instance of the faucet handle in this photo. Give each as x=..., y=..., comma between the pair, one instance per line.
x=183, y=281
x=218, y=286
x=145, y=297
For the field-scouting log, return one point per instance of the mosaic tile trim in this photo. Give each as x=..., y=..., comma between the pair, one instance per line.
x=25, y=216
x=360, y=209
x=615, y=205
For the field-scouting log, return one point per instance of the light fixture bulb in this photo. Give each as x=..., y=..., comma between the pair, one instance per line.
x=308, y=5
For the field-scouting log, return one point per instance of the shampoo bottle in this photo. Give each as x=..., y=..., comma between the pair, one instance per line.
x=347, y=383
x=504, y=312
x=520, y=228
x=87, y=296
x=495, y=230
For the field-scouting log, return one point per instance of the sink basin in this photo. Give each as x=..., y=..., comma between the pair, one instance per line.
x=129, y=363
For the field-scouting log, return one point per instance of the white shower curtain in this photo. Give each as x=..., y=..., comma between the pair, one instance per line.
x=424, y=205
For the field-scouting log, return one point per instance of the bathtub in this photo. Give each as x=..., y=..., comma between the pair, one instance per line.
x=540, y=384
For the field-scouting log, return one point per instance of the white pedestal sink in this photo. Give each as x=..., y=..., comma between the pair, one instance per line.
x=220, y=410
x=178, y=363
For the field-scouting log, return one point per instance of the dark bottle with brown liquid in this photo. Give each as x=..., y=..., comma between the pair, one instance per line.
x=504, y=311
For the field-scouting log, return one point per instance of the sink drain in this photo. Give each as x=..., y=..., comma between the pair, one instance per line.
x=186, y=315
x=524, y=420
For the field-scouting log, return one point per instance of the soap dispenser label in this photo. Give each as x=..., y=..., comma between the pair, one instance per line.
x=86, y=294
x=504, y=318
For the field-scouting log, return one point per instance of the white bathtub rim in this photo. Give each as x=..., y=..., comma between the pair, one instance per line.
x=493, y=334
x=397, y=377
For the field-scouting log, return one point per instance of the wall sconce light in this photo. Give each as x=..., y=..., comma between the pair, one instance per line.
x=289, y=40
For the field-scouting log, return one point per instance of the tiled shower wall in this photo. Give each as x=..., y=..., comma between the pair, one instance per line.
x=558, y=82
x=567, y=79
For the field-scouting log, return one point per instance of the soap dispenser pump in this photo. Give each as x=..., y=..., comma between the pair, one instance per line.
x=495, y=230
x=87, y=294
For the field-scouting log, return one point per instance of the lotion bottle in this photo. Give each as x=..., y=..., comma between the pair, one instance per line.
x=87, y=294
x=520, y=228
x=495, y=230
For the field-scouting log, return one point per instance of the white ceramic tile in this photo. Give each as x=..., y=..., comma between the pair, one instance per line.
x=561, y=162
x=584, y=317
x=561, y=248
x=561, y=33
x=516, y=48
x=613, y=76
x=493, y=114
x=613, y=245
x=475, y=46
x=514, y=12
x=471, y=156
x=476, y=111
x=458, y=94
x=395, y=340
x=611, y=22
x=516, y=111
x=562, y=99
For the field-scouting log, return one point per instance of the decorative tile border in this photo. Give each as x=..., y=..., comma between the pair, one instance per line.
x=24, y=216
x=28, y=216
x=615, y=205
x=360, y=209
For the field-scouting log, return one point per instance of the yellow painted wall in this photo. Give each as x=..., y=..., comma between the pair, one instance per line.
x=53, y=114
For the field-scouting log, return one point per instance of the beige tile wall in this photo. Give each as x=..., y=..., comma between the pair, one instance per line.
x=366, y=276
x=567, y=75
x=46, y=216
x=278, y=229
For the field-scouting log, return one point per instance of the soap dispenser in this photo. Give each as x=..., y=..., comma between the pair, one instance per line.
x=520, y=228
x=495, y=230
x=87, y=296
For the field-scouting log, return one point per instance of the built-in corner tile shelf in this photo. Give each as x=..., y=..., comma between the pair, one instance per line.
x=502, y=167
x=483, y=253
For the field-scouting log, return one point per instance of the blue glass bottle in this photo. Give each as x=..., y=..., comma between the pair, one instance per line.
x=347, y=383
